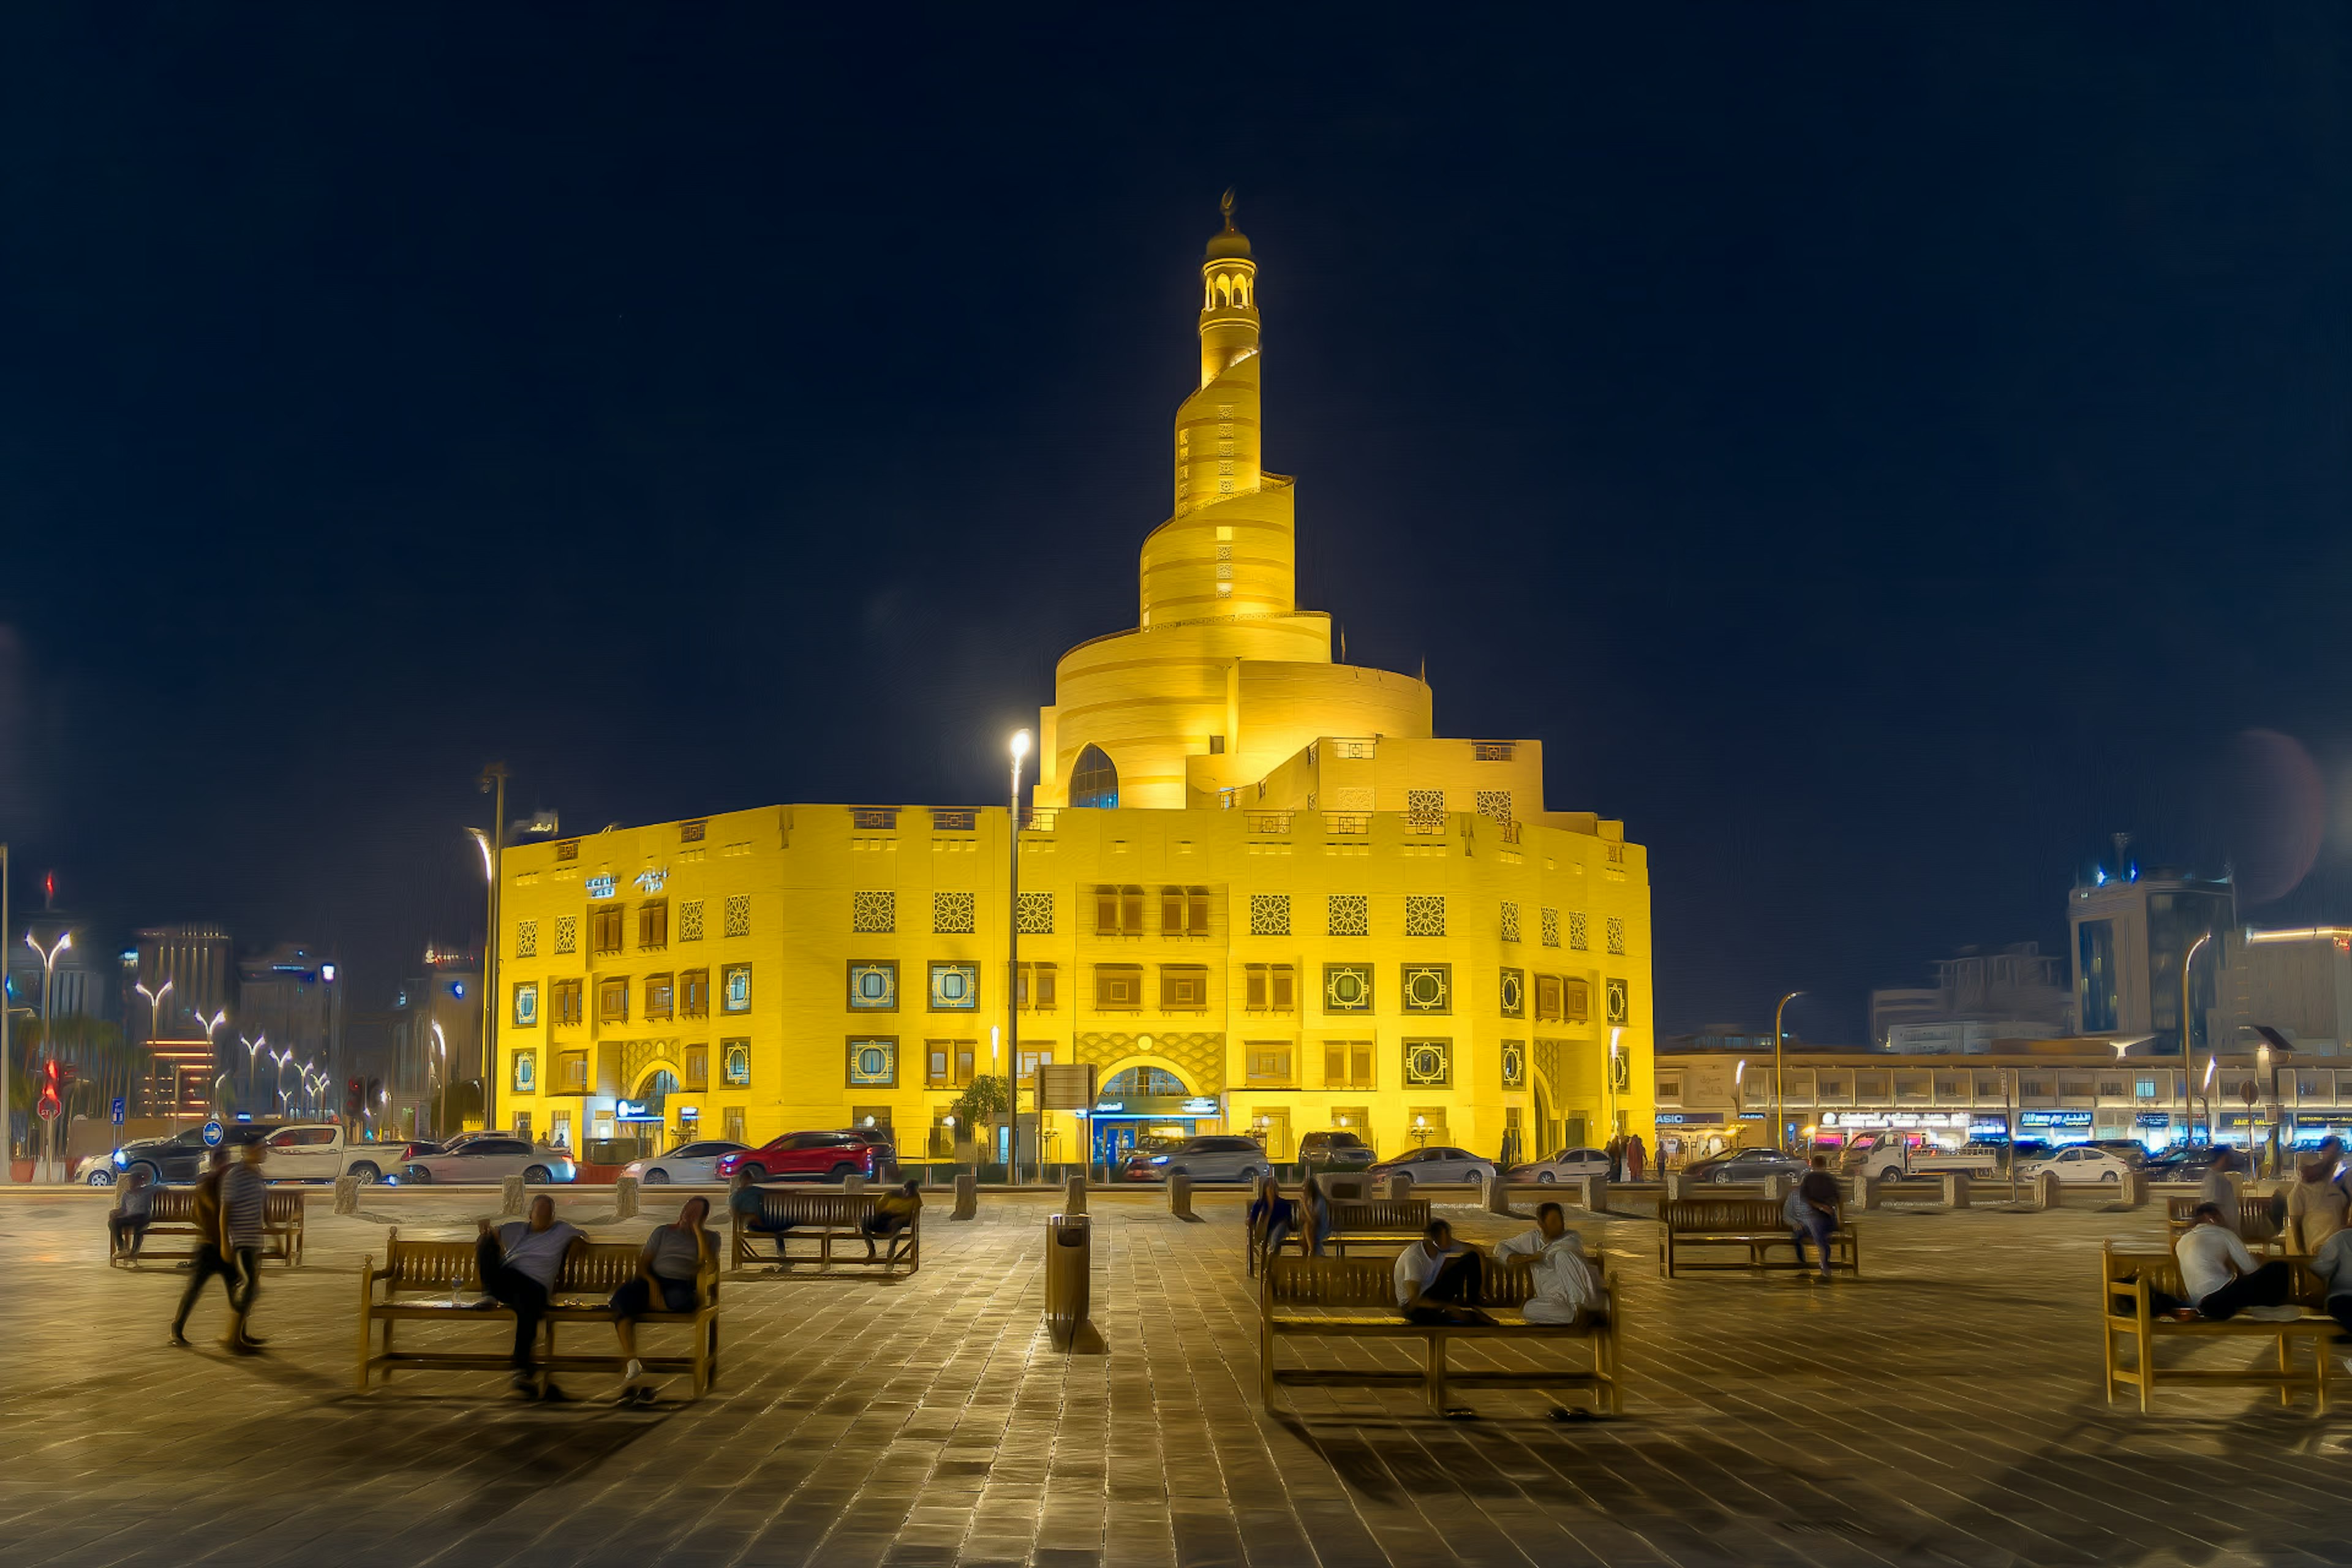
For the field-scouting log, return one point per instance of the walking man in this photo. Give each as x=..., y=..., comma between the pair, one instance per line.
x=208, y=1258
x=244, y=1227
x=519, y=1264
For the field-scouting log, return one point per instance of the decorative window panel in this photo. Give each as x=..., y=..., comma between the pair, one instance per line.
x=874, y=912
x=1269, y=914
x=694, y=994
x=735, y=988
x=874, y=987
x=567, y=933
x=526, y=939
x=1352, y=798
x=1494, y=804
x=1426, y=806
x=955, y=987
x=1579, y=937
x=874, y=1064
x=1576, y=1002
x=1548, y=999
x=1350, y=915
x=690, y=919
x=693, y=832
x=739, y=914
x=1551, y=928
x=1620, y=1006
x=1428, y=1064
x=1346, y=988
x=1615, y=931
x=1428, y=987
x=1424, y=914
x=526, y=1005
x=1515, y=1064
x=952, y=915
x=735, y=1063
x=1037, y=914
x=1118, y=987
x=1515, y=993
x=1348, y=1064
x=526, y=1072
x=613, y=1001
x=1510, y=922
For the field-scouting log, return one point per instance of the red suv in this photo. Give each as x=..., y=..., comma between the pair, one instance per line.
x=803, y=1156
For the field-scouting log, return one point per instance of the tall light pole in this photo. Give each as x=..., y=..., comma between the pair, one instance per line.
x=155, y=1025
x=7, y=1057
x=436, y=1076
x=212, y=1026
x=1779, y=1077
x=1013, y=965
x=2186, y=965
x=48, y=1037
x=253, y=1048
x=492, y=782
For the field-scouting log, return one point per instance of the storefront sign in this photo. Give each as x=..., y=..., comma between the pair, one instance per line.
x=634, y=1110
x=2153, y=1118
x=651, y=881
x=1201, y=1107
x=1690, y=1119
x=1875, y=1121
x=2053, y=1118
x=600, y=887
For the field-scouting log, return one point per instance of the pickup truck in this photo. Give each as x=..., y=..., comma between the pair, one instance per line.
x=322, y=1153
x=1888, y=1158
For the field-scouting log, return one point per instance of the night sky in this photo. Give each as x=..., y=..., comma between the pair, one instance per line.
x=1881, y=451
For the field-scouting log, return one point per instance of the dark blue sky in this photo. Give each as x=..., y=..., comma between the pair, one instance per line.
x=1880, y=450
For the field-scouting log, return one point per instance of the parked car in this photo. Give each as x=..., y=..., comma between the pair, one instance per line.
x=1439, y=1162
x=491, y=1159
x=1567, y=1162
x=1888, y=1157
x=1137, y=1165
x=2078, y=1164
x=320, y=1153
x=1213, y=1157
x=695, y=1161
x=802, y=1157
x=1323, y=1152
x=2189, y=1164
x=181, y=1157
x=2130, y=1151
x=885, y=1148
x=1747, y=1165
x=95, y=1169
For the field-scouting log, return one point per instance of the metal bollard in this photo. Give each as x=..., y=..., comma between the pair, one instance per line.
x=1180, y=1197
x=1074, y=1196
x=625, y=1197
x=1596, y=1194
x=1955, y=1189
x=510, y=1195
x=1069, y=1269
x=967, y=1204
x=2046, y=1194
x=1675, y=1180
x=1399, y=1186
x=1355, y=1188
x=1866, y=1195
x=1498, y=1193
x=347, y=1195
x=2136, y=1190
x=852, y=1184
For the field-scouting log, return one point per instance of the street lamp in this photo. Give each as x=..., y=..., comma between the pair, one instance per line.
x=48, y=1040
x=436, y=1074
x=2186, y=1066
x=253, y=1048
x=1013, y=963
x=1779, y=1077
x=493, y=781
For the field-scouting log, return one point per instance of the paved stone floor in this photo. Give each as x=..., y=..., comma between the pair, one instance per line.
x=1943, y=1409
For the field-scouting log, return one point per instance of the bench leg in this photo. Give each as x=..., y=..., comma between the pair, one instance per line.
x=367, y=1321
x=2285, y=1363
x=1436, y=1378
x=1264, y=1365
x=2319, y=1374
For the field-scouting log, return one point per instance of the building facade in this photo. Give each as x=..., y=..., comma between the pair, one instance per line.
x=1256, y=893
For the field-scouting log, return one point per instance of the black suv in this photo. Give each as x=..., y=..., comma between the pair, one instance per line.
x=181, y=1157
x=1321, y=1152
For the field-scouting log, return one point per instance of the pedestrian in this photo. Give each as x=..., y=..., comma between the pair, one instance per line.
x=2317, y=1204
x=1566, y=1287
x=1616, y=1156
x=1315, y=1208
x=1636, y=1155
x=244, y=1207
x=1272, y=1217
x=745, y=1200
x=1437, y=1279
x=893, y=1214
x=519, y=1264
x=1815, y=1208
x=208, y=1260
x=2220, y=1275
x=670, y=1280
x=133, y=1212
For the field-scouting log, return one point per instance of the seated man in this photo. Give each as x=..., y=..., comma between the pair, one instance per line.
x=2221, y=1276
x=669, y=1269
x=1814, y=1208
x=744, y=1198
x=1272, y=1217
x=519, y=1264
x=130, y=1218
x=1567, y=1290
x=1437, y=1279
x=894, y=1213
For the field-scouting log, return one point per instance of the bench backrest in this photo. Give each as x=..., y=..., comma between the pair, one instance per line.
x=834, y=1210
x=172, y=1206
x=1380, y=1214
x=1356, y=1284
x=2162, y=1272
x=440, y=1268
x=1721, y=1215
x=2252, y=1210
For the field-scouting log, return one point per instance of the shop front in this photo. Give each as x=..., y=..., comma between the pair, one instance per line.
x=1116, y=1122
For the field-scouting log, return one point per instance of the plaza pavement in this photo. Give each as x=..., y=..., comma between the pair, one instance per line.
x=1946, y=1408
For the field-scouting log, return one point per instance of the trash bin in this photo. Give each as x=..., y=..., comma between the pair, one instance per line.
x=1069, y=1263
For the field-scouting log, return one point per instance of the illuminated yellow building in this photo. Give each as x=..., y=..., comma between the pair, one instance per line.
x=1256, y=893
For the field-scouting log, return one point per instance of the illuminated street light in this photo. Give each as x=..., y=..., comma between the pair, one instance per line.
x=1780, y=1108
x=48, y=1040
x=1012, y=970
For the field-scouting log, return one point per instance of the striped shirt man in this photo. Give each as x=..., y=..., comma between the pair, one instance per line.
x=241, y=1206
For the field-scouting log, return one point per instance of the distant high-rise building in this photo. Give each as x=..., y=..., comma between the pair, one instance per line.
x=2129, y=932
x=289, y=996
x=2017, y=993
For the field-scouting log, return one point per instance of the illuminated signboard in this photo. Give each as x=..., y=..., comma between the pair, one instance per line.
x=2054, y=1119
x=1867, y=1120
x=601, y=886
x=651, y=881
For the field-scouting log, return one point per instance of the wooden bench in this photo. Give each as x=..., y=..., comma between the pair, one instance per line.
x=2127, y=1281
x=1390, y=1223
x=445, y=1271
x=824, y=1218
x=1355, y=1299
x=2254, y=1226
x=1754, y=1224
x=173, y=1214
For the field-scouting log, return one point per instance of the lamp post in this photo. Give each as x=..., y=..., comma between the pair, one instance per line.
x=2186, y=965
x=156, y=1025
x=49, y=1040
x=212, y=1026
x=1013, y=963
x=7, y=1057
x=253, y=1048
x=493, y=783
x=1779, y=1077
x=436, y=1072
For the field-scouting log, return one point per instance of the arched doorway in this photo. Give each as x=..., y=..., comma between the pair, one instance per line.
x=1093, y=780
x=644, y=1115
x=1140, y=1104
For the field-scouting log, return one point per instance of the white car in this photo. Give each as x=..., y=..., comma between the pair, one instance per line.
x=695, y=1161
x=1438, y=1162
x=2079, y=1164
x=489, y=1160
x=1563, y=1166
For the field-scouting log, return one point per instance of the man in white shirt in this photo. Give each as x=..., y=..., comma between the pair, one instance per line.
x=1437, y=1279
x=1565, y=1289
x=519, y=1264
x=2220, y=1275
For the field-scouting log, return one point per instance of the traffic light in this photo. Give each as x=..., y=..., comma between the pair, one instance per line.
x=354, y=1097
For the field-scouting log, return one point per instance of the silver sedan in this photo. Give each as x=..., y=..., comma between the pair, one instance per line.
x=1563, y=1166
x=695, y=1161
x=492, y=1159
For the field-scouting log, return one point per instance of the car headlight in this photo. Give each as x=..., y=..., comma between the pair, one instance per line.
x=121, y=1159
x=1160, y=1159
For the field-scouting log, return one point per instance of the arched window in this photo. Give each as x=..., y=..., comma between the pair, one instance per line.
x=1240, y=290
x=1224, y=289
x=1094, y=782
x=1208, y=293
x=1137, y=1082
